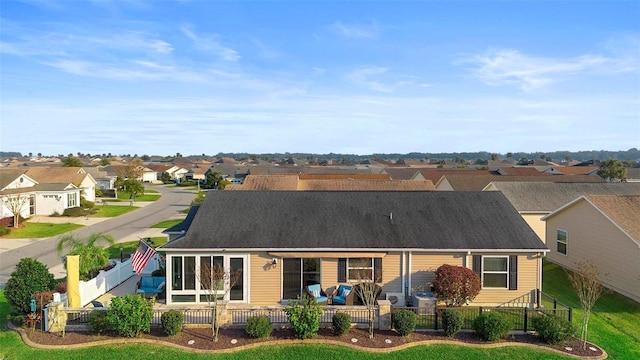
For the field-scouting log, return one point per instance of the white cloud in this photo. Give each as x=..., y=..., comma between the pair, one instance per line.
x=378, y=78
x=510, y=67
x=355, y=31
x=141, y=70
x=210, y=43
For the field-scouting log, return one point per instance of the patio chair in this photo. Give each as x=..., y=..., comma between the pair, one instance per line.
x=343, y=295
x=316, y=291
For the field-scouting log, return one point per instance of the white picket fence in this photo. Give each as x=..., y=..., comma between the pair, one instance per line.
x=107, y=280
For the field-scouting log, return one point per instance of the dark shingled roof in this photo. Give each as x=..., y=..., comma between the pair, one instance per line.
x=357, y=220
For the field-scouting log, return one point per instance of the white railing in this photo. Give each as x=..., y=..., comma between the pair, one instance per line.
x=107, y=280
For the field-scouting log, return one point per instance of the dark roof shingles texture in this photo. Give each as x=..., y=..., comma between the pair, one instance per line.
x=357, y=220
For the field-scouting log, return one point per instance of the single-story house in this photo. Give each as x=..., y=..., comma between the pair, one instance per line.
x=604, y=229
x=19, y=192
x=65, y=175
x=282, y=241
x=533, y=200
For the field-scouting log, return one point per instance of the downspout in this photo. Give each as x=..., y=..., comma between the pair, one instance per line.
x=409, y=274
x=403, y=270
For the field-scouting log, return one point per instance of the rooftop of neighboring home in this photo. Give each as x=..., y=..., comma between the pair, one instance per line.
x=357, y=220
x=549, y=196
x=436, y=174
x=519, y=171
x=576, y=170
x=7, y=176
x=58, y=175
x=477, y=183
x=624, y=210
x=330, y=182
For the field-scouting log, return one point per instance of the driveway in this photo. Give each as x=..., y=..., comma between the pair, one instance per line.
x=134, y=224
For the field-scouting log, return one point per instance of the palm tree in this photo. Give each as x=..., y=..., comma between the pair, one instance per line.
x=92, y=256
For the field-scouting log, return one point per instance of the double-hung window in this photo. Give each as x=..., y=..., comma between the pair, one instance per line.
x=561, y=241
x=495, y=272
x=71, y=200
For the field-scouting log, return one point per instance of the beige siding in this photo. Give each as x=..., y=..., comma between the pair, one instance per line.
x=265, y=280
x=537, y=225
x=329, y=274
x=423, y=267
x=528, y=282
x=392, y=272
x=590, y=235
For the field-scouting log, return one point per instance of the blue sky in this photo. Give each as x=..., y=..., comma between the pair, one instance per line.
x=160, y=77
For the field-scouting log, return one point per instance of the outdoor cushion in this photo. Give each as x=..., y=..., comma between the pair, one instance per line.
x=342, y=295
x=316, y=291
x=151, y=285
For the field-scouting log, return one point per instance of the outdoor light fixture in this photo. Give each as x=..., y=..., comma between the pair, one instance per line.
x=274, y=262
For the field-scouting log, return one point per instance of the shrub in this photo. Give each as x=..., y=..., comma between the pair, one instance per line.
x=341, y=323
x=187, y=183
x=259, y=326
x=172, y=322
x=31, y=276
x=86, y=204
x=18, y=320
x=98, y=321
x=4, y=230
x=74, y=212
x=491, y=326
x=553, y=329
x=130, y=315
x=452, y=322
x=55, y=214
x=62, y=288
x=456, y=285
x=304, y=316
x=404, y=321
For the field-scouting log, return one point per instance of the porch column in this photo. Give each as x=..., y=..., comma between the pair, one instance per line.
x=384, y=315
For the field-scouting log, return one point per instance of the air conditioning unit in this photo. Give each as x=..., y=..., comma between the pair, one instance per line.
x=396, y=299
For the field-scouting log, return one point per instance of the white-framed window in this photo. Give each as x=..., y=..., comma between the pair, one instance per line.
x=72, y=200
x=191, y=282
x=359, y=269
x=561, y=241
x=495, y=272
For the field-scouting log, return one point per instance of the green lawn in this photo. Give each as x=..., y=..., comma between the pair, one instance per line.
x=149, y=195
x=614, y=322
x=113, y=211
x=614, y=326
x=130, y=246
x=167, y=223
x=40, y=230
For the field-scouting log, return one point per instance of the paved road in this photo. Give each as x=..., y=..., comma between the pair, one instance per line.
x=172, y=202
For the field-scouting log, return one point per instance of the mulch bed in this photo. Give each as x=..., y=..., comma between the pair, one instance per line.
x=199, y=339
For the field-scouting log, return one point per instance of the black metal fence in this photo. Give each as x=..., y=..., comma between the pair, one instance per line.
x=519, y=317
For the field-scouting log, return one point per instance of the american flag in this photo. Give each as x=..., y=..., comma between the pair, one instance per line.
x=141, y=256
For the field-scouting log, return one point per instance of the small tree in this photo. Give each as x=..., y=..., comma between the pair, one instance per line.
x=586, y=282
x=72, y=161
x=30, y=276
x=368, y=291
x=613, y=170
x=216, y=281
x=15, y=203
x=456, y=285
x=92, y=256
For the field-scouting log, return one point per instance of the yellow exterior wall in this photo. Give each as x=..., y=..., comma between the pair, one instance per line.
x=424, y=265
x=536, y=224
x=392, y=272
x=265, y=280
x=528, y=281
x=590, y=235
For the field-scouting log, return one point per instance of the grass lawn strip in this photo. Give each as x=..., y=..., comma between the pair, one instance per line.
x=613, y=323
x=167, y=223
x=113, y=211
x=31, y=230
x=130, y=246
